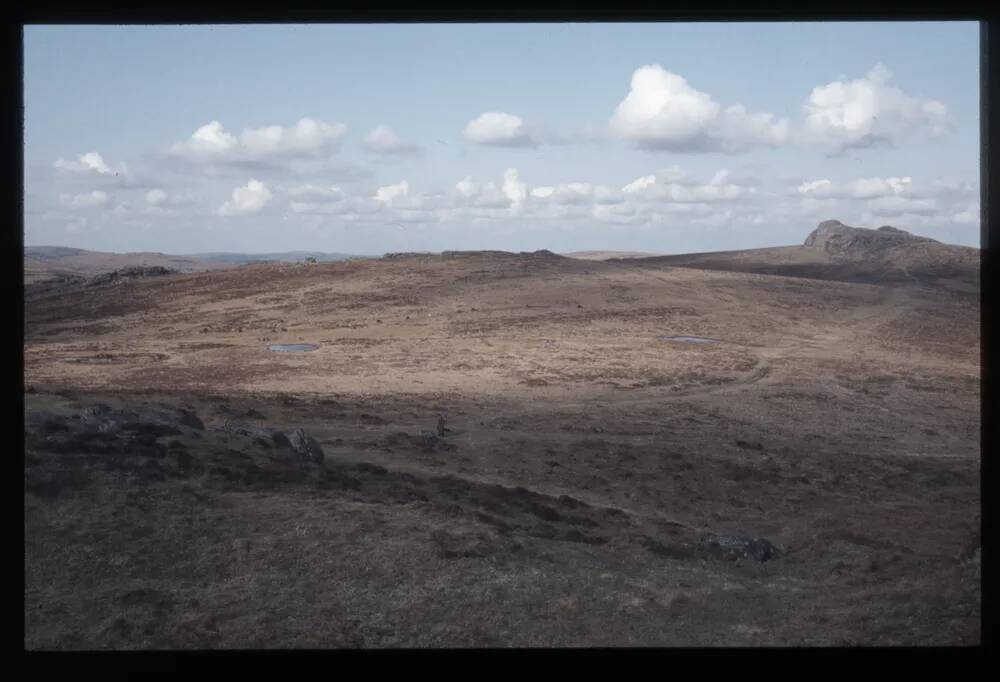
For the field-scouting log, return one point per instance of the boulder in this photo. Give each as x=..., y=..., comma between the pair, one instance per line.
x=732, y=547
x=306, y=446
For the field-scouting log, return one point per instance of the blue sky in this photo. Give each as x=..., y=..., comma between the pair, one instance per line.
x=380, y=137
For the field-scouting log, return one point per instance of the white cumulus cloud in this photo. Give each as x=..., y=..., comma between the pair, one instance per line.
x=91, y=162
x=467, y=187
x=212, y=143
x=316, y=191
x=499, y=129
x=211, y=138
x=860, y=188
x=513, y=188
x=390, y=192
x=868, y=111
x=639, y=184
x=867, y=188
x=663, y=111
x=818, y=188
x=675, y=188
x=353, y=208
x=384, y=140
x=249, y=199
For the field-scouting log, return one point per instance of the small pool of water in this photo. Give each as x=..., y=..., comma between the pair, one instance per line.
x=690, y=339
x=292, y=347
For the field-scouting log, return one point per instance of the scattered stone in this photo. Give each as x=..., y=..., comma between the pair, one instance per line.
x=306, y=446
x=428, y=441
x=129, y=273
x=95, y=413
x=732, y=547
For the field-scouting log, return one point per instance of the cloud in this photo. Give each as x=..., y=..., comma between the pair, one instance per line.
x=647, y=200
x=466, y=187
x=500, y=130
x=317, y=191
x=867, y=188
x=576, y=193
x=867, y=112
x=490, y=196
x=210, y=139
x=384, y=140
x=159, y=202
x=213, y=144
x=155, y=197
x=249, y=199
x=564, y=193
x=622, y=214
x=87, y=200
x=607, y=195
x=352, y=207
x=510, y=195
x=904, y=201
x=639, y=184
x=390, y=192
x=513, y=188
x=861, y=188
x=92, y=162
x=741, y=131
x=675, y=188
x=663, y=112
x=819, y=188
x=650, y=201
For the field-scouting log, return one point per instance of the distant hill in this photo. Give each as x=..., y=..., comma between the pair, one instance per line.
x=47, y=253
x=284, y=256
x=835, y=251
x=608, y=255
x=48, y=262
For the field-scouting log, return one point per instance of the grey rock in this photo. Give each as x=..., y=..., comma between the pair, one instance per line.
x=95, y=413
x=836, y=238
x=732, y=547
x=306, y=446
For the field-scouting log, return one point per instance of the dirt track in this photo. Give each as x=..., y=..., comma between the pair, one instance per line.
x=588, y=459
